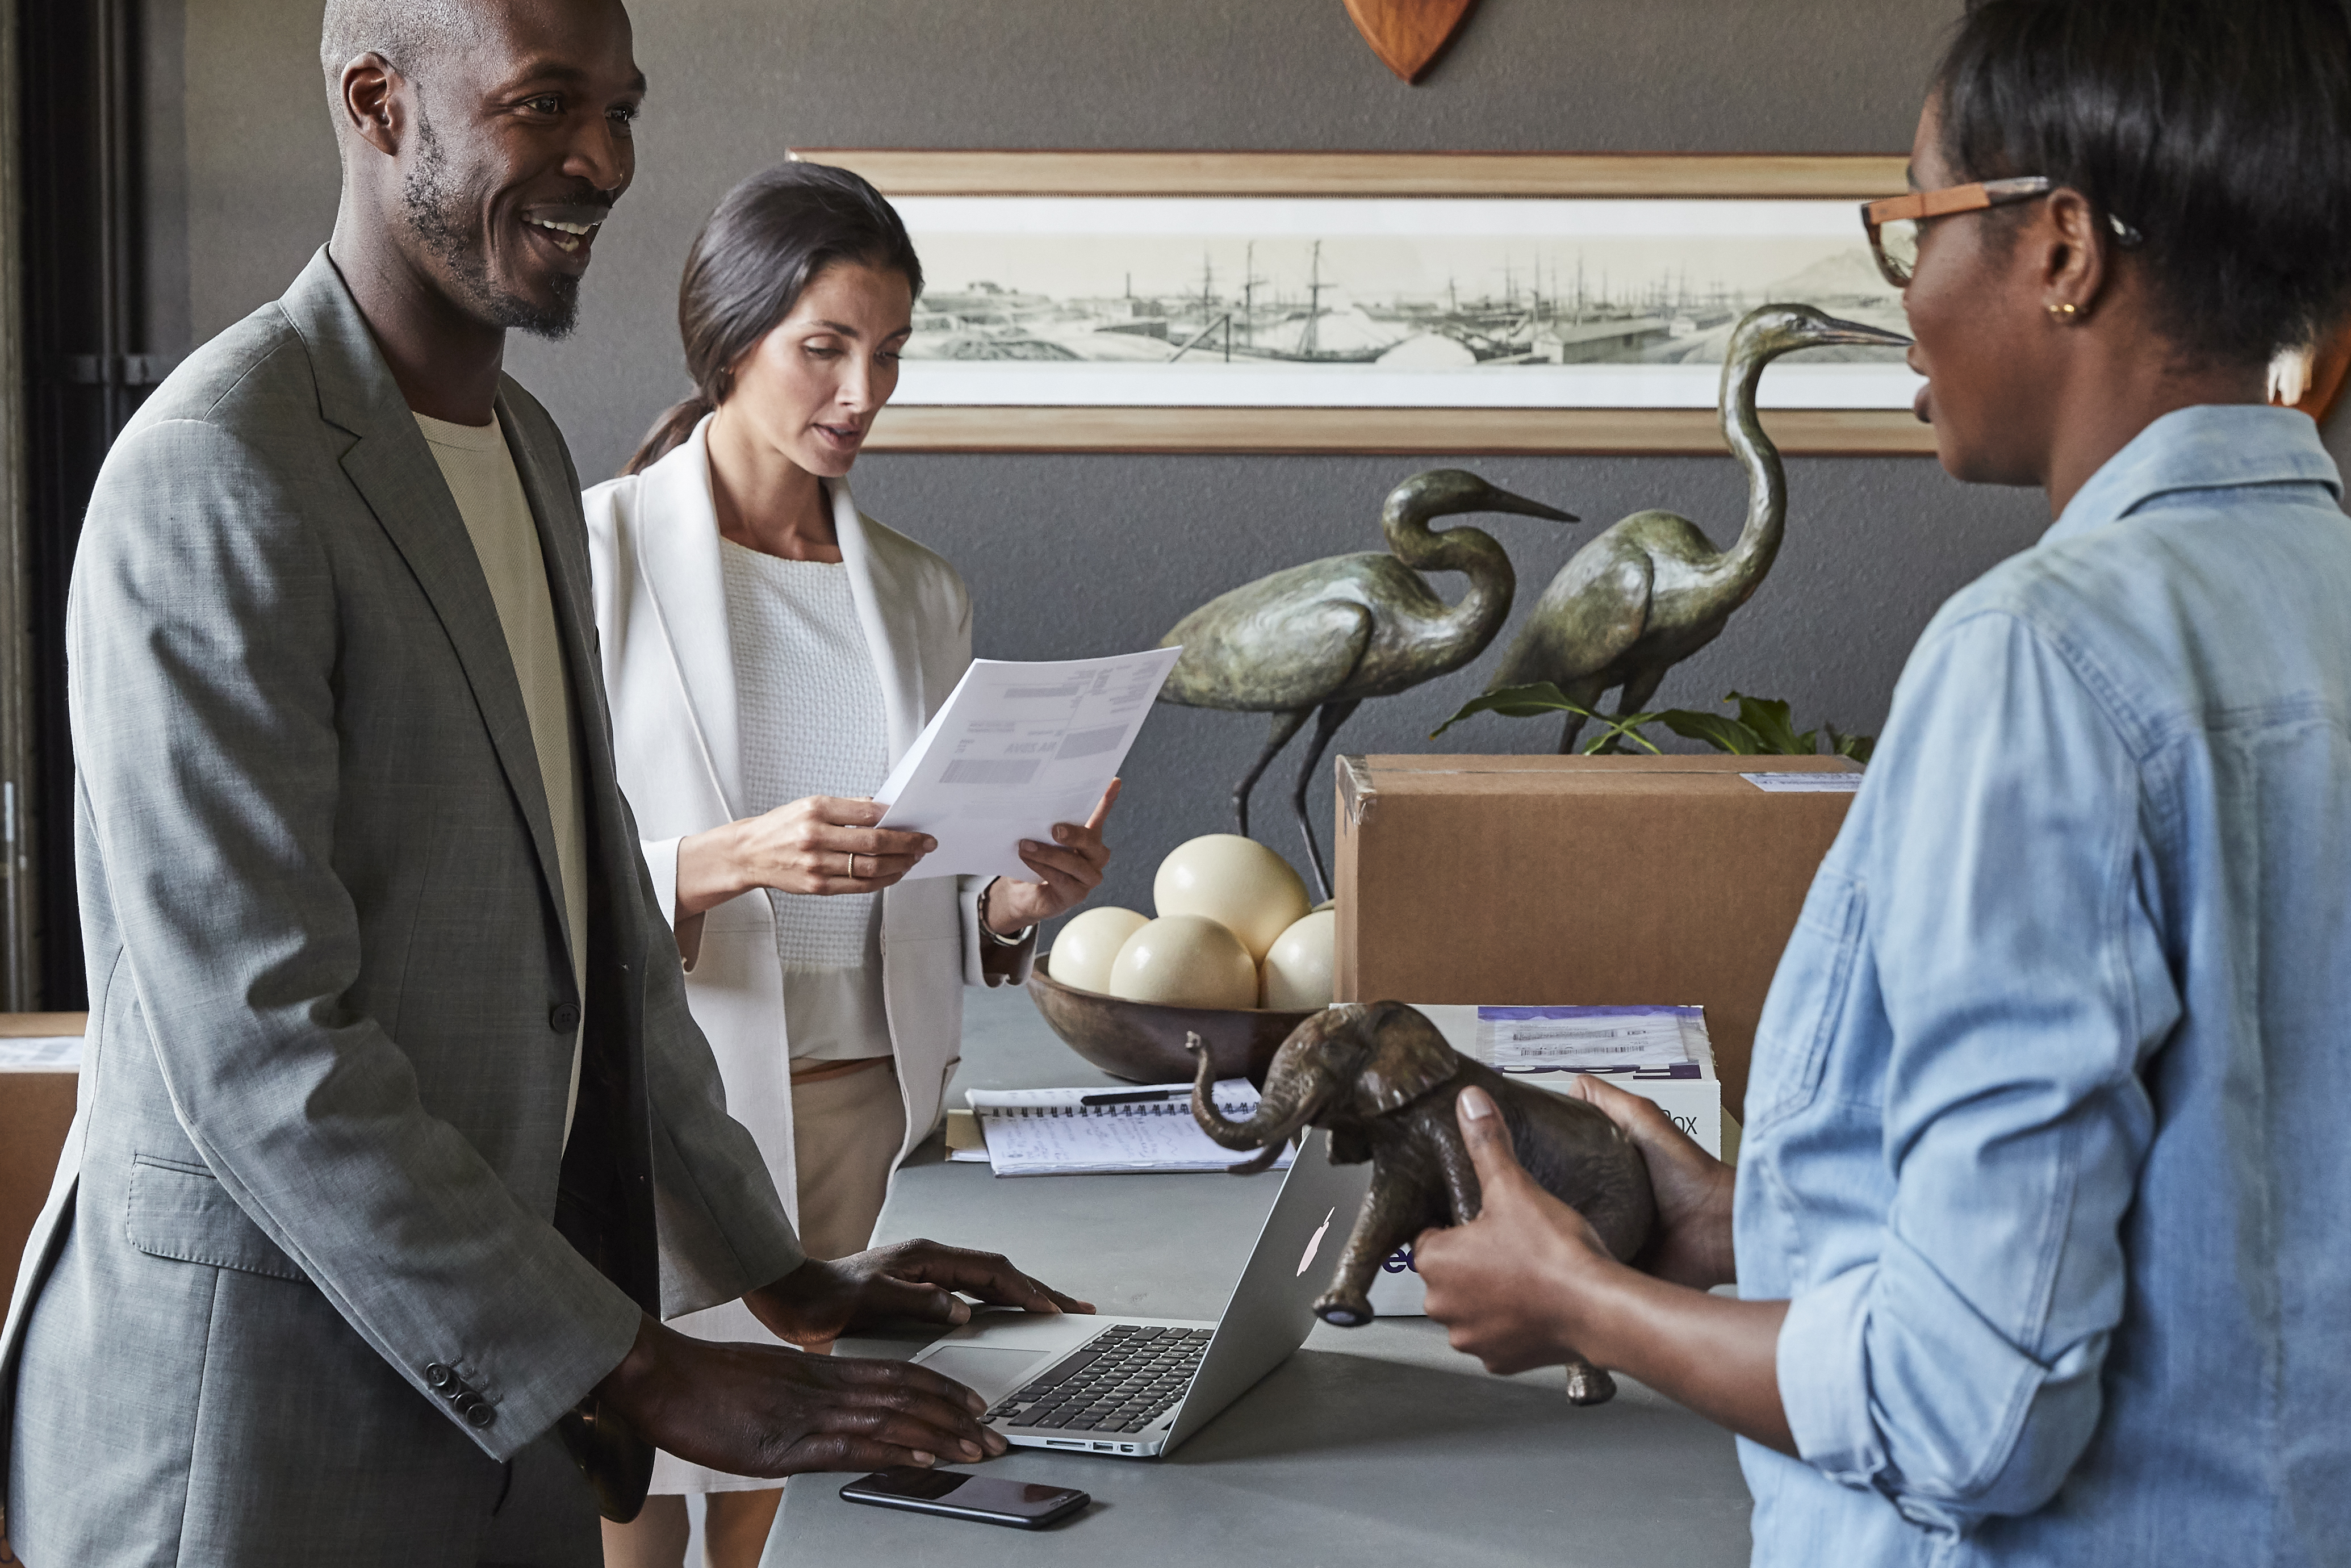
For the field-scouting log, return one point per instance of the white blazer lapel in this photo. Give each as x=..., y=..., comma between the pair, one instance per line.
x=882, y=607
x=677, y=544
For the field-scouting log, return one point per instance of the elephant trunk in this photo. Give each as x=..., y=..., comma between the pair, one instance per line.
x=1281, y=1111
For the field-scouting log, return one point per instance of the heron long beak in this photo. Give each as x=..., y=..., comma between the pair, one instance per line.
x=1855, y=335
x=1503, y=501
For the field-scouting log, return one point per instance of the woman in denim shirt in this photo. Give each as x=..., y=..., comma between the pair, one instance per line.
x=2043, y=1220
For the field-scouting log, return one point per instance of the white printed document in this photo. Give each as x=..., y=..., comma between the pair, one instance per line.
x=1087, y=1132
x=1016, y=748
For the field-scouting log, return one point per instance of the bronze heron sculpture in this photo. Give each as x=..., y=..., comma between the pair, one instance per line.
x=1318, y=639
x=1652, y=589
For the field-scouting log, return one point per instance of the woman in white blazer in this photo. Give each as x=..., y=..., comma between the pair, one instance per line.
x=770, y=653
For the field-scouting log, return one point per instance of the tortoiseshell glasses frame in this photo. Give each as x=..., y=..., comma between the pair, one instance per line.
x=1894, y=223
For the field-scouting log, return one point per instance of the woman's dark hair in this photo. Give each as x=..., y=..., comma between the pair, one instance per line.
x=2219, y=129
x=767, y=242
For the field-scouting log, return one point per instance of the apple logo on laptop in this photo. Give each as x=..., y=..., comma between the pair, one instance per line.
x=1314, y=1242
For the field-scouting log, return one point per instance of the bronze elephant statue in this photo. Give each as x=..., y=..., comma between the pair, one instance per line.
x=1380, y=1078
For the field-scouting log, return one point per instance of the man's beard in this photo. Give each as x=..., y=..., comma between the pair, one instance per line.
x=447, y=223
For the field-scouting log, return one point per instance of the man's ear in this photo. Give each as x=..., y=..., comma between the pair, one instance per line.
x=1404, y=1057
x=369, y=94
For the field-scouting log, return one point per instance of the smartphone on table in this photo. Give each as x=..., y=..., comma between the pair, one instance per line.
x=959, y=1494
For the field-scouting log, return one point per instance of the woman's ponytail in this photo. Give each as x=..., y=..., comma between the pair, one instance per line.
x=669, y=432
x=769, y=239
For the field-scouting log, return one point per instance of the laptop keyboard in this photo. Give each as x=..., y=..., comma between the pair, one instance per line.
x=1122, y=1380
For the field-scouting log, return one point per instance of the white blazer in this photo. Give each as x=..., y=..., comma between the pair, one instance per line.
x=669, y=668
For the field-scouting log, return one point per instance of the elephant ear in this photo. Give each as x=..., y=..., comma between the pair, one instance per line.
x=1406, y=1058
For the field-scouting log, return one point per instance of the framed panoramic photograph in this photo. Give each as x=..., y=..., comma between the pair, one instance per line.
x=1416, y=302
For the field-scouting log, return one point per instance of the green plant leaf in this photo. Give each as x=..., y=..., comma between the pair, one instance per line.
x=1718, y=730
x=1856, y=747
x=1514, y=701
x=1768, y=717
x=1613, y=728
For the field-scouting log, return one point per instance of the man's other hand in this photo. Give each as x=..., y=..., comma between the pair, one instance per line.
x=819, y=1301
x=764, y=1410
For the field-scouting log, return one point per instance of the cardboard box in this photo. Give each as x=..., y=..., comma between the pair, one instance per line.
x=1614, y=880
x=36, y=1106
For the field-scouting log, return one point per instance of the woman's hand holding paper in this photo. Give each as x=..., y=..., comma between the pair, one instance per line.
x=1068, y=871
x=823, y=845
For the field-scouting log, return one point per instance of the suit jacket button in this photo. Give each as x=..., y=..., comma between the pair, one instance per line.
x=563, y=1018
x=479, y=1414
x=438, y=1376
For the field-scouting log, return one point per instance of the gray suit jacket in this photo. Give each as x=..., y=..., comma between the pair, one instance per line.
x=304, y=1236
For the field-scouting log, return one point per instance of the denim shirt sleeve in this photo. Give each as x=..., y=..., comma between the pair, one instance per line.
x=2023, y=983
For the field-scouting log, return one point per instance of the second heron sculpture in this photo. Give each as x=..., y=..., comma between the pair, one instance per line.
x=1319, y=639
x=1652, y=589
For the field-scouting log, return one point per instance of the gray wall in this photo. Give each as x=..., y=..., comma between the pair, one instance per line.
x=1070, y=555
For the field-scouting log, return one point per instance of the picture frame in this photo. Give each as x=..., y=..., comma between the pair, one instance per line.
x=1374, y=302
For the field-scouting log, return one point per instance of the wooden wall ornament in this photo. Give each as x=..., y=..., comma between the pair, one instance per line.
x=1409, y=34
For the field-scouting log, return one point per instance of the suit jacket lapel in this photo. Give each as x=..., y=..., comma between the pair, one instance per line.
x=677, y=544
x=394, y=472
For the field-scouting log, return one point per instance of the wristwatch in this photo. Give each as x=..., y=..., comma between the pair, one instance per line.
x=1016, y=939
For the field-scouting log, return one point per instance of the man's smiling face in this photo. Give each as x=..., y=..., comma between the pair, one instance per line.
x=519, y=142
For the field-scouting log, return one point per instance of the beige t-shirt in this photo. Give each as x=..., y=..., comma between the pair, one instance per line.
x=481, y=479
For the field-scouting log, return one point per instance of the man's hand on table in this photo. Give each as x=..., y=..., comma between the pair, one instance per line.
x=762, y=1410
x=820, y=1302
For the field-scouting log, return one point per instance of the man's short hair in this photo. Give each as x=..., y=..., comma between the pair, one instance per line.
x=2219, y=129
x=406, y=32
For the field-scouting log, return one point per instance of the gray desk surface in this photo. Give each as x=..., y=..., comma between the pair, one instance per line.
x=1370, y=1446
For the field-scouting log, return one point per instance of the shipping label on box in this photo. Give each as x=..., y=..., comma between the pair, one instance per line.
x=1661, y=1054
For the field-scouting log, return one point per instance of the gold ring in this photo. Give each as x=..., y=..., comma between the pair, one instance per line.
x=852, y=867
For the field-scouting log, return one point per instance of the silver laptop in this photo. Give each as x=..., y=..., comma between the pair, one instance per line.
x=1135, y=1388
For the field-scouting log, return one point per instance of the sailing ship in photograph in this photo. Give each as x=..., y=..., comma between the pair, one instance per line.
x=1379, y=302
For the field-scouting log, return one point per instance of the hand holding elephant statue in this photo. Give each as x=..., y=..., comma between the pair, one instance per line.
x=1380, y=1078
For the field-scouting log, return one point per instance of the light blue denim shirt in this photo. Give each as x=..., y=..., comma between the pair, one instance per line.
x=2049, y=1129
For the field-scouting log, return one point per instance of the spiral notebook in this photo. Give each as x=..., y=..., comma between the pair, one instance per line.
x=1091, y=1131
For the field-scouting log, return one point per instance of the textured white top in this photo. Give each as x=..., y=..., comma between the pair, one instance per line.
x=811, y=723
x=480, y=473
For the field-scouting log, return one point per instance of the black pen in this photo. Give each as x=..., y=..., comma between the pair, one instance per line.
x=1142, y=1097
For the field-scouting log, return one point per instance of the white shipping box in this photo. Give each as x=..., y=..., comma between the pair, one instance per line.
x=1661, y=1054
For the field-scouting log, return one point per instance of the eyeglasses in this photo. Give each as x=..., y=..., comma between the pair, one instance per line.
x=1894, y=224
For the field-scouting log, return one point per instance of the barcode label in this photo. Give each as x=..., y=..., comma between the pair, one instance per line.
x=1091, y=742
x=990, y=771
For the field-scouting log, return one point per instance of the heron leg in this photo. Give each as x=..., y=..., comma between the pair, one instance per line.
x=1326, y=725
x=1285, y=724
x=1584, y=694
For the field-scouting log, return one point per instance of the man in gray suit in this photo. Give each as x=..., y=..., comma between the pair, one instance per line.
x=390, y=1078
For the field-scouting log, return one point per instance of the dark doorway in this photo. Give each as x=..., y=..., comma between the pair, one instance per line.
x=86, y=366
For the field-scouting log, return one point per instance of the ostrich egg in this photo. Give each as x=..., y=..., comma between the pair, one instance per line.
x=1297, y=969
x=1235, y=881
x=1186, y=961
x=1089, y=945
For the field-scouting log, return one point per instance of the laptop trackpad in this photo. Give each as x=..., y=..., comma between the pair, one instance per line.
x=989, y=1371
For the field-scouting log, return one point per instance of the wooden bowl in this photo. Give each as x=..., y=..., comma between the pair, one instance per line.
x=1144, y=1041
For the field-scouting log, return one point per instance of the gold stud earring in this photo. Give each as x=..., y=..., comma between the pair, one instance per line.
x=2063, y=313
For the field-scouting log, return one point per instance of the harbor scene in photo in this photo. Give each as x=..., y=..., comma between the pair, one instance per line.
x=1382, y=302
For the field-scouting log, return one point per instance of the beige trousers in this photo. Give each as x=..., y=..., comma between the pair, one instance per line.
x=846, y=1129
